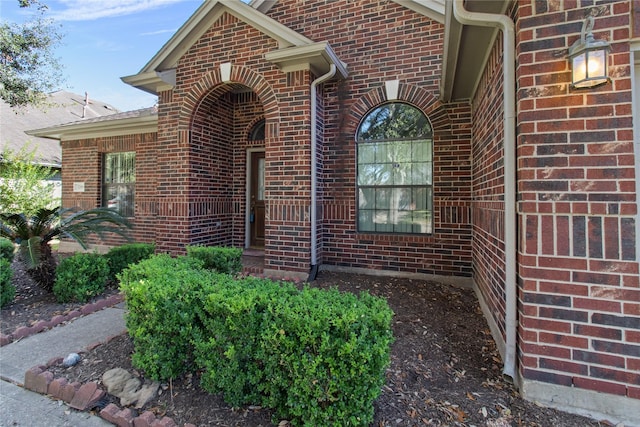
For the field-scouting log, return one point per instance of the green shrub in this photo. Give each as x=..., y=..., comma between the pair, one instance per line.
x=6, y=249
x=7, y=290
x=160, y=293
x=316, y=357
x=81, y=277
x=215, y=258
x=232, y=321
x=121, y=257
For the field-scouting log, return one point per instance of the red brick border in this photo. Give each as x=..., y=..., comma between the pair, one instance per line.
x=84, y=397
x=25, y=331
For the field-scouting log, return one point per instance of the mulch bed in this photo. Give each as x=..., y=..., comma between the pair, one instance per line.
x=445, y=369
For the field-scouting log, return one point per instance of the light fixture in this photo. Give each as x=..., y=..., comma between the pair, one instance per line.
x=588, y=58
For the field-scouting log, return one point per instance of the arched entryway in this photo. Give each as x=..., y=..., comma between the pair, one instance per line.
x=227, y=167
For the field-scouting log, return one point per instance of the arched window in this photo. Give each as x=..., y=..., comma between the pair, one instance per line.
x=257, y=131
x=395, y=170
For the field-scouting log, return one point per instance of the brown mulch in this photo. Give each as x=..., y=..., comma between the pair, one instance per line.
x=33, y=304
x=445, y=369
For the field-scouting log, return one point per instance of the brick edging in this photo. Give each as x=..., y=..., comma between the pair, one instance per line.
x=83, y=397
x=42, y=325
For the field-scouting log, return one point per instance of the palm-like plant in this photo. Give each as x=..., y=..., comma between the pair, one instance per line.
x=34, y=234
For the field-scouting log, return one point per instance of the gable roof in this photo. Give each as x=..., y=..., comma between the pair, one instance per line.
x=61, y=107
x=158, y=73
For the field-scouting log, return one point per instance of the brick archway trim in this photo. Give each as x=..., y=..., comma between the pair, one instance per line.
x=426, y=101
x=212, y=82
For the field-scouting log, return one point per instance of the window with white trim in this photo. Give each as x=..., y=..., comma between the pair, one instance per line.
x=395, y=171
x=119, y=182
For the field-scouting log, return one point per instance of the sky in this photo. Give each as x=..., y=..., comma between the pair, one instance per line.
x=104, y=40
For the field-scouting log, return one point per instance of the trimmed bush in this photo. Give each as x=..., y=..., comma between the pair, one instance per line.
x=161, y=294
x=232, y=319
x=216, y=258
x=316, y=357
x=81, y=277
x=6, y=250
x=7, y=290
x=121, y=257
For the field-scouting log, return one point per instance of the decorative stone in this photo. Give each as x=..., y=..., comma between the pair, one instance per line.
x=129, y=389
x=71, y=360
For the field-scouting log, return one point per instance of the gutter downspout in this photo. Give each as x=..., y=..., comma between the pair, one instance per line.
x=314, y=168
x=505, y=24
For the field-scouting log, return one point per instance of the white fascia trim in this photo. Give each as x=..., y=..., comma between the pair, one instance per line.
x=262, y=5
x=200, y=22
x=433, y=9
x=75, y=131
x=151, y=82
x=317, y=57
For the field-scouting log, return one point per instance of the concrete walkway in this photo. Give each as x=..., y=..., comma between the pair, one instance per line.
x=19, y=407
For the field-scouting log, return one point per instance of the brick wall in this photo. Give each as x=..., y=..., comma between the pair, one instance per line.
x=395, y=45
x=580, y=290
x=400, y=45
x=488, y=191
x=83, y=164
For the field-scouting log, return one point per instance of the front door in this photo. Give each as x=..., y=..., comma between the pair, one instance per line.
x=256, y=200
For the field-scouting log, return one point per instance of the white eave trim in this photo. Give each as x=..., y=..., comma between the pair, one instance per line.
x=205, y=16
x=152, y=82
x=434, y=9
x=316, y=57
x=98, y=129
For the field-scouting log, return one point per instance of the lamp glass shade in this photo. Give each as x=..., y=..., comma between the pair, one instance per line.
x=588, y=58
x=589, y=68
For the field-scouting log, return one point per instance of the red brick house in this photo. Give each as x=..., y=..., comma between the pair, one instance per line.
x=430, y=138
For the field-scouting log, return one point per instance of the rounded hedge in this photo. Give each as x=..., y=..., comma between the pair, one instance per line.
x=81, y=277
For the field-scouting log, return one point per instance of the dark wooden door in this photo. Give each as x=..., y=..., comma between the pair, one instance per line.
x=256, y=212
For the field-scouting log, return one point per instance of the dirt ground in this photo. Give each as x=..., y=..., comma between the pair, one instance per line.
x=445, y=369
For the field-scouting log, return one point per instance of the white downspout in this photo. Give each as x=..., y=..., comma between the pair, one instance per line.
x=314, y=169
x=504, y=23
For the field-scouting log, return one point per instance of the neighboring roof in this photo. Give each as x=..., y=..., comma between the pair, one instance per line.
x=60, y=107
x=467, y=49
x=159, y=73
x=133, y=122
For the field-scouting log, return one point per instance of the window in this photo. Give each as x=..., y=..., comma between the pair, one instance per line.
x=257, y=131
x=395, y=164
x=119, y=180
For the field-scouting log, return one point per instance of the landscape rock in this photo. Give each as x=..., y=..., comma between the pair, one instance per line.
x=129, y=389
x=71, y=359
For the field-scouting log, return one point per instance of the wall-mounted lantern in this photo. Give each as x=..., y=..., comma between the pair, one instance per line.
x=588, y=58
